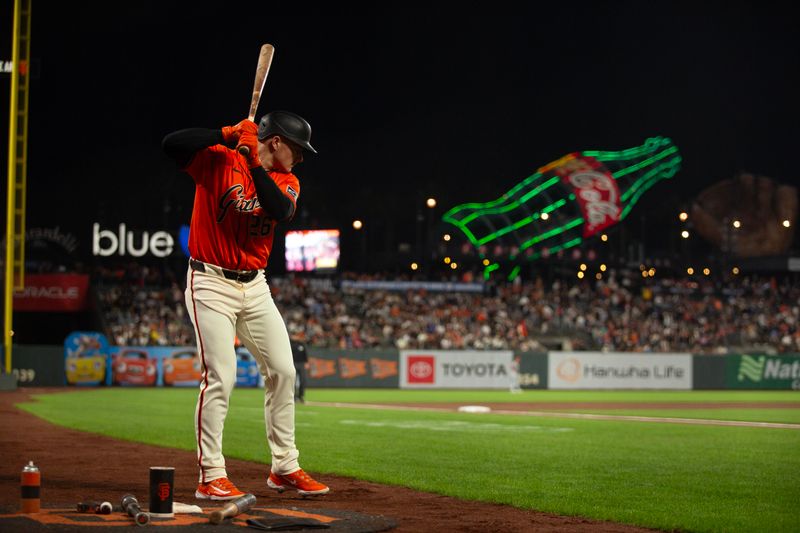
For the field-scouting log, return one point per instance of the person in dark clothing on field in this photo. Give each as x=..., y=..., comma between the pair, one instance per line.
x=300, y=355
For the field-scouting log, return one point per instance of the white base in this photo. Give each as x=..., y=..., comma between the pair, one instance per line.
x=474, y=409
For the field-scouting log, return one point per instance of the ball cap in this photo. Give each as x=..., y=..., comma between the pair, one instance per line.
x=288, y=125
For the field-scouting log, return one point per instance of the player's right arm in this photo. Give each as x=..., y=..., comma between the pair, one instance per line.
x=182, y=145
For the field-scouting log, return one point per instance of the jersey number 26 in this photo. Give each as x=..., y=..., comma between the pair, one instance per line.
x=260, y=226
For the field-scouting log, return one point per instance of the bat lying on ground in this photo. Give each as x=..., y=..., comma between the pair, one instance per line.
x=235, y=507
x=131, y=506
x=94, y=507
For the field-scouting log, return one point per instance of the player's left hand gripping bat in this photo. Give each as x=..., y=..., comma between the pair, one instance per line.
x=264, y=62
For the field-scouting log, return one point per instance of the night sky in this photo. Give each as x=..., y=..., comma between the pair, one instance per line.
x=404, y=104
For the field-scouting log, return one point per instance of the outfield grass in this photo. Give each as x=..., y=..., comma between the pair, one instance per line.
x=666, y=476
x=435, y=396
x=784, y=416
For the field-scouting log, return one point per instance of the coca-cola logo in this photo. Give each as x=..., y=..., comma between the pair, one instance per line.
x=591, y=179
x=421, y=369
x=599, y=194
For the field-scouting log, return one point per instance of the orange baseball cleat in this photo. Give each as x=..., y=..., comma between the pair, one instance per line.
x=298, y=480
x=217, y=489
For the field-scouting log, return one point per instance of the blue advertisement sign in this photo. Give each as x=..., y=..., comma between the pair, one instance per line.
x=247, y=374
x=91, y=361
x=87, y=358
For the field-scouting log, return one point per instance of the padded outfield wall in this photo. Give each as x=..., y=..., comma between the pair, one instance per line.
x=46, y=366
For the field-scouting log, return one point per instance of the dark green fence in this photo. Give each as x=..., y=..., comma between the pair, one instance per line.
x=43, y=366
x=532, y=370
x=353, y=368
x=37, y=365
x=708, y=372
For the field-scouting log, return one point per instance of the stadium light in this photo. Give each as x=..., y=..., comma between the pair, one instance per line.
x=602, y=268
x=580, y=275
x=447, y=260
x=431, y=202
x=446, y=237
x=644, y=273
x=486, y=262
x=604, y=237
x=545, y=216
x=414, y=266
x=737, y=224
x=583, y=266
x=690, y=271
x=598, y=276
x=684, y=216
x=357, y=224
x=735, y=271
x=652, y=272
x=685, y=234
x=786, y=224
x=454, y=265
x=706, y=271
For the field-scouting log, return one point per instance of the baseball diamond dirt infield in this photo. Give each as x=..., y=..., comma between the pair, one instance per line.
x=78, y=466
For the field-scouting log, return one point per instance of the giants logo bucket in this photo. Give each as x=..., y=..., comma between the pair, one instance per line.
x=421, y=369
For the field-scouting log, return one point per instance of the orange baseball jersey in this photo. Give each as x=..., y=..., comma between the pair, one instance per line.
x=229, y=227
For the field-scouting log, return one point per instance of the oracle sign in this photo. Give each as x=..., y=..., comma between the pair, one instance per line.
x=53, y=292
x=124, y=242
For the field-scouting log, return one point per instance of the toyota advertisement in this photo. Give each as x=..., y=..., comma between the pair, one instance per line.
x=432, y=369
x=596, y=370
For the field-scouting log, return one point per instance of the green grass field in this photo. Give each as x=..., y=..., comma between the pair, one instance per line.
x=667, y=476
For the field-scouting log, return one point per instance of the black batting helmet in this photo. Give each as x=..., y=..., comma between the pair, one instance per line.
x=288, y=125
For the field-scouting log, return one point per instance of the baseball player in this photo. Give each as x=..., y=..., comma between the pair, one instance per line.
x=238, y=201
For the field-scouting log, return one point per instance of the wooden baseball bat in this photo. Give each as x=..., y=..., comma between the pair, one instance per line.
x=264, y=62
x=237, y=506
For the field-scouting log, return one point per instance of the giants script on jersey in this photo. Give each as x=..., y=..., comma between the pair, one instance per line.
x=235, y=197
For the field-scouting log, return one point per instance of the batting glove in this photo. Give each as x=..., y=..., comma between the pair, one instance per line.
x=250, y=140
x=231, y=134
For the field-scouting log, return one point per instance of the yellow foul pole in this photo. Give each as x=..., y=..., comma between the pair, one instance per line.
x=11, y=204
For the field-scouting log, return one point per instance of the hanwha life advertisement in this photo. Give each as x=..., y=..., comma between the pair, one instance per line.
x=597, y=370
x=432, y=369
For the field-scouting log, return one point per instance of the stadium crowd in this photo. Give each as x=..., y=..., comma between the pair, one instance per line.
x=140, y=306
x=621, y=312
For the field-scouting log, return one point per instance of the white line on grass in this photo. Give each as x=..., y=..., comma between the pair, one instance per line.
x=585, y=416
x=452, y=425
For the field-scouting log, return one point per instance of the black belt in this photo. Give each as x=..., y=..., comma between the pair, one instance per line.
x=244, y=276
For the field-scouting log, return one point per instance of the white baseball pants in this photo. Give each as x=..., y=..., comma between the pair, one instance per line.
x=220, y=309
